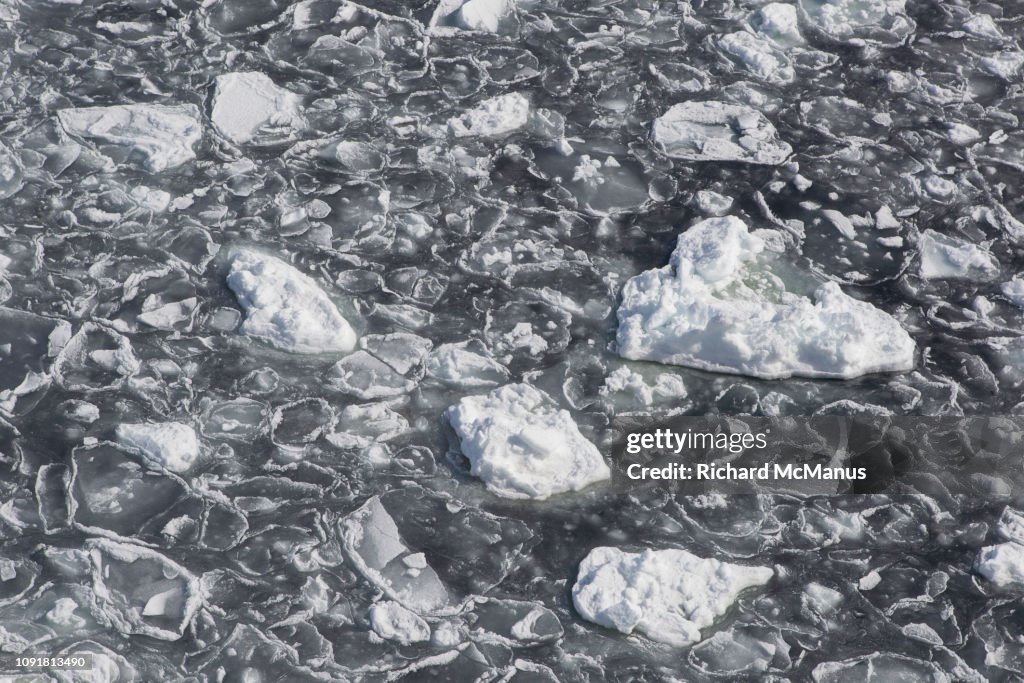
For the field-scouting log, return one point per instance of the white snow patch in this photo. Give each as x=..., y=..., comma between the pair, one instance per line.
x=717, y=307
x=285, y=307
x=170, y=445
x=483, y=15
x=778, y=22
x=668, y=595
x=1014, y=290
x=951, y=258
x=248, y=107
x=524, y=447
x=493, y=118
x=717, y=131
x=758, y=55
x=391, y=621
x=859, y=21
x=1002, y=564
x=162, y=134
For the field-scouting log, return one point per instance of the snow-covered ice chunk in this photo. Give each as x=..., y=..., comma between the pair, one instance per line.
x=1013, y=290
x=248, y=107
x=717, y=131
x=668, y=595
x=524, y=447
x=170, y=445
x=951, y=258
x=778, y=22
x=141, y=591
x=718, y=307
x=492, y=118
x=285, y=307
x=372, y=541
x=859, y=21
x=483, y=15
x=162, y=134
x=759, y=56
x=1002, y=564
x=391, y=621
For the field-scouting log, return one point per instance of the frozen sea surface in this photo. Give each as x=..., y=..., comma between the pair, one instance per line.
x=251, y=252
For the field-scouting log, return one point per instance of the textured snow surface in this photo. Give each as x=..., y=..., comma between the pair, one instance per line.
x=522, y=446
x=163, y=135
x=171, y=445
x=719, y=131
x=667, y=595
x=714, y=307
x=250, y=107
x=286, y=308
x=494, y=118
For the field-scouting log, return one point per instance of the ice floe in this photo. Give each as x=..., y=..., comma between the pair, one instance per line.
x=141, y=591
x=859, y=22
x=285, y=307
x=170, y=445
x=163, y=135
x=718, y=131
x=667, y=595
x=522, y=446
x=951, y=258
x=717, y=306
x=391, y=621
x=492, y=118
x=1002, y=564
x=249, y=108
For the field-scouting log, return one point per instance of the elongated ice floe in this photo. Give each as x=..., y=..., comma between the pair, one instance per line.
x=248, y=107
x=170, y=445
x=717, y=307
x=667, y=595
x=493, y=118
x=718, y=131
x=859, y=21
x=285, y=307
x=522, y=446
x=162, y=134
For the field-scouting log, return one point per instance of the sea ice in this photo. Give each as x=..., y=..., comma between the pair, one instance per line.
x=668, y=595
x=248, y=107
x=285, y=307
x=141, y=591
x=391, y=621
x=717, y=307
x=718, y=131
x=950, y=258
x=778, y=22
x=759, y=56
x=859, y=21
x=1002, y=564
x=483, y=15
x=372, y=541
x=170, y=445
x=162, y=134
x=524, y=447
x=493, y=118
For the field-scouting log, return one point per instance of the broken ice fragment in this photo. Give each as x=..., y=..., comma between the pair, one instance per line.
x=1002, y=564
x=857, y=22
x=950, y=258
x=457, y=365
x=472, y=15
x=11, y=173
x=171, y=445
x=668, y=595
x=391, y=621
x=285, y=307
x=162, y=134
x=522, y=446
x=717, y=306
x=493, y=118
x=141, y=591
x=372, y=541
x=717, y=131
x=248, y=107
